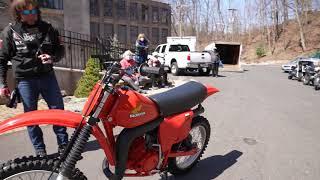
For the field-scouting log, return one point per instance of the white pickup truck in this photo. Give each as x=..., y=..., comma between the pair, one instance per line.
x=179, y=58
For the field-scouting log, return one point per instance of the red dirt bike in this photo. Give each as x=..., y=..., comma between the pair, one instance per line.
x=162, y=133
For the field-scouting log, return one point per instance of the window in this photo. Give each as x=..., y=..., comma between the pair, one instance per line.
x=164, y=15
x=94, y=29
x=145, y=31
x=51, y=4
x=108, y=30
x=122, y=33
x=163, y=48
x=3, y=5
x=145, y=13
x=155, y=35
x=121, y=9
x=133, y=33
x=133, y=11
x=94, y=10
x=155, y=14
x=158, y=49
x=179, y=48
x=164, y=35
x=108, y=10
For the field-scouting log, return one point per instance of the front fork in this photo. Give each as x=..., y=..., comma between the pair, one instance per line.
x=73, y=157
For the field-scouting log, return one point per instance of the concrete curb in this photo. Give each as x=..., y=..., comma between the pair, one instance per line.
x=265, y=63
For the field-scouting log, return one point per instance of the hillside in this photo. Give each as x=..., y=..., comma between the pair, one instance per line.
x=288, y=45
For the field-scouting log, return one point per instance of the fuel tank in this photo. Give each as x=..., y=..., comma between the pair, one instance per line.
x=132, y=109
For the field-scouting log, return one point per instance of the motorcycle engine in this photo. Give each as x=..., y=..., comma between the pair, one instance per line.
x=142, y=159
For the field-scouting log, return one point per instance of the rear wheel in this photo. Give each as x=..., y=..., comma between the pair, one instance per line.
x=30, y=168
x=199, y=135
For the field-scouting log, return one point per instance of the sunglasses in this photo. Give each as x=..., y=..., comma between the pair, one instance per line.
x=28, y=12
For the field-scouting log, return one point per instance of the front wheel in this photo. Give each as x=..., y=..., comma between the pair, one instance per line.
x=175, y=69
x=30, y=168
x=299, y=78
x=199, y=135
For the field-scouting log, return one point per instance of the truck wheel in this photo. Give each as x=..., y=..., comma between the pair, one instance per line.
x=204, y=73
x=175, y=69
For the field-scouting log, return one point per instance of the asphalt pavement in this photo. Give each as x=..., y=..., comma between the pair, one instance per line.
x=264, y=127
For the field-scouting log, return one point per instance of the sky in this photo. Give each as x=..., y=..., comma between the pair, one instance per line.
x=238, y=4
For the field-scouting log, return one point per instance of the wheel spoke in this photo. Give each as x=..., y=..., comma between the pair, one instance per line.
x=32, y=175
x=198, y=135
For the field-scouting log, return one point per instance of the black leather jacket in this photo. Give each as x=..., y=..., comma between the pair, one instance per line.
x=19, y=43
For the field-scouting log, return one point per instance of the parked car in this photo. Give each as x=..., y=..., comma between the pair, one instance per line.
x=179, y=58
x=288, y=67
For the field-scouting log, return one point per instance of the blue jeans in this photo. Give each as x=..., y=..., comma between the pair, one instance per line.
x=48, y=87
x=141, y=59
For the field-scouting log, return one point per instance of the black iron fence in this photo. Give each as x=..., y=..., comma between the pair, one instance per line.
x=79, y=48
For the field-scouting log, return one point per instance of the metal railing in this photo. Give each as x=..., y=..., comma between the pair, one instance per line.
x=80, y=47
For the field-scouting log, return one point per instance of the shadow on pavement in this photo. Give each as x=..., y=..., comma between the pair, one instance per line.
x=211, y=167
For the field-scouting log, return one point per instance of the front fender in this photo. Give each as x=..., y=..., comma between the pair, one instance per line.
x=59, y=118
x=54, y=117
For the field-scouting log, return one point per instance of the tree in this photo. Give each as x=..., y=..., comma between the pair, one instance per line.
x=298, y=18
x=89, y=79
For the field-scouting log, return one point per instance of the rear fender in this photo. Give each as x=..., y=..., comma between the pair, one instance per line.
x=211, y=90
x=58, y=118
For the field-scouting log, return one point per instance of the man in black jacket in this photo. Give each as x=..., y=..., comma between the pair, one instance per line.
x=32, y=46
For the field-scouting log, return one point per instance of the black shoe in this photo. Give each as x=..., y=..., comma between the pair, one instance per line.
x=41, y=152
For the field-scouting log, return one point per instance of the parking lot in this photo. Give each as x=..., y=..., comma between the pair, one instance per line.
x=264, y=127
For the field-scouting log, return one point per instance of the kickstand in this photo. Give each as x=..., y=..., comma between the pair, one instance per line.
x=164, y=175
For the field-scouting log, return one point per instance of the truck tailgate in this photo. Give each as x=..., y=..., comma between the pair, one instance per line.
x=200, y=57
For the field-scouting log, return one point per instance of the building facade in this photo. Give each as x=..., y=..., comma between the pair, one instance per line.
x=5, y=18
x=123, y=19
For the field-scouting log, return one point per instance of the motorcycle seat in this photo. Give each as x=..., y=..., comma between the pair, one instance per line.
x=180, y=99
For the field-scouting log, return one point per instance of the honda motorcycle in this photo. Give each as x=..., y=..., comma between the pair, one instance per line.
x=316, y=80
x=309, y=75
x=162, y=133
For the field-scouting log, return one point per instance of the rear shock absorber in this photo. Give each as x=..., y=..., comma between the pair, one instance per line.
x=75, y=154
